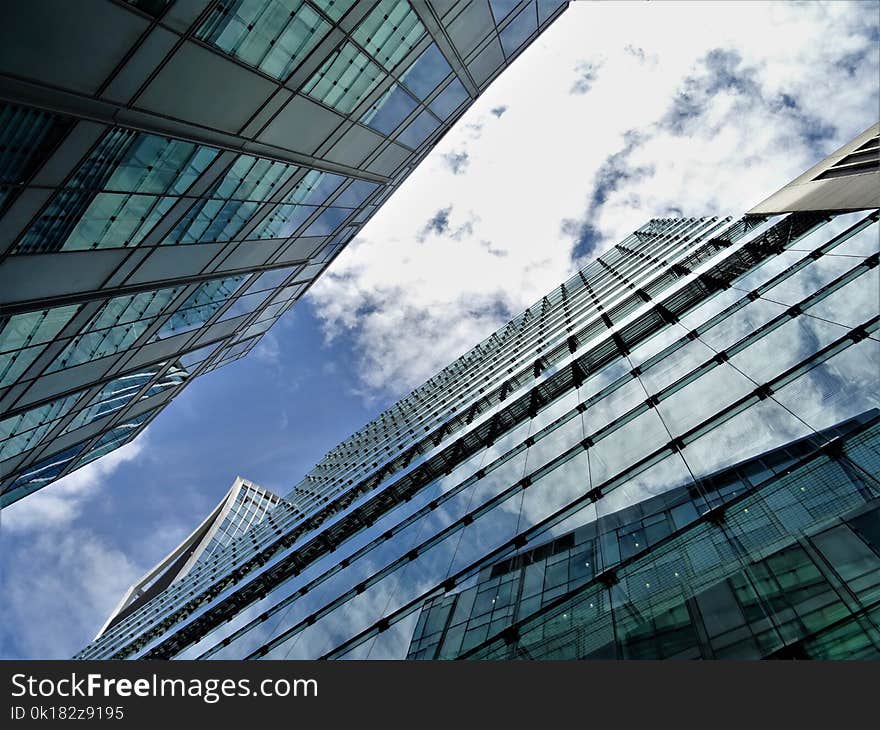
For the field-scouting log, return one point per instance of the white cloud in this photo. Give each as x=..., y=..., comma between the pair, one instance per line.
x=268, y=351
x=56, y=506
x=458, y=161
x=57, y=585
x=60, y=580
x=765, y=95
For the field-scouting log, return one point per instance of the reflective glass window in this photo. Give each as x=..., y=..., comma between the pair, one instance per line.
x=120, y=392
x=24, y=431
x=841, y=387
x=43, y=472
x=355, y=194
x=418, y=130
x=26, y=137
x=327, y=222
x=546, y=8
x=119, y=323
x=114, y=438
x=345, y=79
x=283, y=221
x=258, y=292
x=191, y=360
x=118, y=194
x=518, y=30
x=386, y=114
x=201, y=305
x=705, y=396
x=271, y=35
x=230, y=202
x=334, y=9
x=853, y=304
x=290, y=214
x=426, y=72
x=806, y=281
x=390, y=30
x=450, y=99
x=24, y=336
x=502, y=8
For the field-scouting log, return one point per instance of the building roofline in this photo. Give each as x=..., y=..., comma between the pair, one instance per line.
x=850, y=190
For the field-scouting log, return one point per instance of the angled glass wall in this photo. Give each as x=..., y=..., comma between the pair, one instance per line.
x=775, y=557
x=243, y=506
x=700, y=400
x=216, y=160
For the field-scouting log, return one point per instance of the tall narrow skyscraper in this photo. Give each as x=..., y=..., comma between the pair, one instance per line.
x=672, y=454
x=244, y=506
x=174, y=174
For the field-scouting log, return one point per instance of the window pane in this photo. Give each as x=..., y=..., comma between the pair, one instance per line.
x=388, y=112
x=24, y=336
x=272, y=35
x=450, y=99
x=518, y=30
x=344, y=79
x=389, y=32
x=118, y=194
x=426, y=72
x=418, y=130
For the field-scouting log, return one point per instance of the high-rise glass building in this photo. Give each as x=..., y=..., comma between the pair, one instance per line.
x=174, y=174
x=243, y=506
x=672, y=454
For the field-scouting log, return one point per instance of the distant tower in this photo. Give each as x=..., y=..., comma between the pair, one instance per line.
x=244, y=506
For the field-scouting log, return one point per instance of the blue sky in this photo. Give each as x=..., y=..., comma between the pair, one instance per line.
x=618, y=113
x=262, y=417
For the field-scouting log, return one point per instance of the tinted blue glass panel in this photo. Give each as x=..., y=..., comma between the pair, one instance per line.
x=519, y=29
x=191, y=359
x=25, y=430
x=247, y=182
x=324, y=186
x=546, y=8
x=114, y=438
x=364, y=214
x=345, y=79
x=257, y=293
x=120, y=392
x=244, y=305
x=344, y=236
x=270, y=279
x=283, y=221
x=501, y=8
x=389, y=32
x=44, y=471
x=450, y=99
x=355, y=194
x=419, y=129
x=272, y=35
x=389, y=111
x=426, y=73
x=327, y=222
x=334, y=9
x=119, y=193
x=201, y=305
x=116, y=326
x=24, y=336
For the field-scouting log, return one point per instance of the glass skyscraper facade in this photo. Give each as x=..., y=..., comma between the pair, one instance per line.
x=244, y=506
x=672, y=454
x=775, y=557
x=174, y=174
